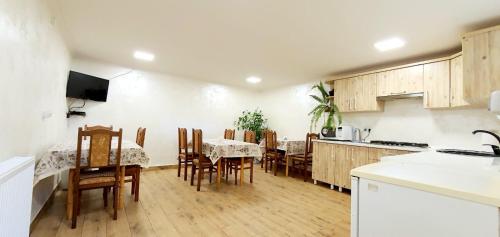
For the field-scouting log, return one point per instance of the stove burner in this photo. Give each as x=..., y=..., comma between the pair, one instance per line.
x=393, y=143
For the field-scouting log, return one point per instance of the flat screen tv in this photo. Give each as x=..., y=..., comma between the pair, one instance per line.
x=87, y=87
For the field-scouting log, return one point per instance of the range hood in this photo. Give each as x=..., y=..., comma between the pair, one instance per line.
x=401, y=96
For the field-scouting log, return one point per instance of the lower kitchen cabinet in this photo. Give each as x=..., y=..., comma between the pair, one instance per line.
x=332, y=163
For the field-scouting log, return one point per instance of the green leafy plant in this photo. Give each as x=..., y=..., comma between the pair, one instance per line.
x=324, y=106
x=253, y=121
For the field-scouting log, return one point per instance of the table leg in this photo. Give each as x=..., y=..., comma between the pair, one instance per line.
x=69, y=196
x=121, y=197
x=242, y=169
x=286, y=164
x=219, y=172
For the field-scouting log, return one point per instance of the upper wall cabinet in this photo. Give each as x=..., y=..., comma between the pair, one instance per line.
x=405, y=80
x=457, y=83
x=481, y=64
x=437, y=84
x=357, y=94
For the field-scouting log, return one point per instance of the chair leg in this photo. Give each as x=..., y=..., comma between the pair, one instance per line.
x=275, y=167
x=75, y=208
x=193, y=169
x=305, y=171
x=115, y=202
x=137, y=183
x=235, y=174
x=265, y=161
x=210, y=169
x=200, y=174
x=227, y=169
x=185, y=169
x=105, y=196
x=179, y=167
x=251, y=170
x=132, y=189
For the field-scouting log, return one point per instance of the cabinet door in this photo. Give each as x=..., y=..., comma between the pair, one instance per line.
x=407, y=80
x=456, y=83
x=342, y=95
x=322, y=157
x=481, y=55
x=342, y=166
x=369, y=94
x=437, y=84
x=374, y=154
x=359, y=156
x=382, y=83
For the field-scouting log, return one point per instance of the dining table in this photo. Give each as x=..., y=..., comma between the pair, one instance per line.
x=61, y=157
x=217, y=149
x=289, y=146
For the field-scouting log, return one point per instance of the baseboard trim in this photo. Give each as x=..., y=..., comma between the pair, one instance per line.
x=160, y=167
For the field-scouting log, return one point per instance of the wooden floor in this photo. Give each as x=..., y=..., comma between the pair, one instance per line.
x=169, y=206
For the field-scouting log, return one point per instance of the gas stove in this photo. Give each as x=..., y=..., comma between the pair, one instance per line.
x=394, y=143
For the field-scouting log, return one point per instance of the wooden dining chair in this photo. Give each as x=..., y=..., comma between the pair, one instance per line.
x=272, y=155
x=235, y=163
x=134, y=171
x=90, y=128
x=200, y=161
x=184, y=155
x=99, y=171
x=229, y=134
x=304, y=160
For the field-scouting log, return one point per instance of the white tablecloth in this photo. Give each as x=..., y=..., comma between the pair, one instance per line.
x=62, y=157
x=215, y=149
x=291, y=147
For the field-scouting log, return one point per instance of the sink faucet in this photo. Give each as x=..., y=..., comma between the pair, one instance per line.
x=495, y=148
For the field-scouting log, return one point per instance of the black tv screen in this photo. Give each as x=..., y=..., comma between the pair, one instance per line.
x=83, y=86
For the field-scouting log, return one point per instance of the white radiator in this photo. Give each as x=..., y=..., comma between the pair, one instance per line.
x=16, y=188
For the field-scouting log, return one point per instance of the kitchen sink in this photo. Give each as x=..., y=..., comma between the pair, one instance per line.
x=468, y=152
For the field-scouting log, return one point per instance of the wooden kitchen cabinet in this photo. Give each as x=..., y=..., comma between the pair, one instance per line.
x=342, y=167
x=357, y=94
x=332, y=163
x=405, y=80
x=342, y=95
x=481, y=64
x=456, y=83
x=323, y=162
x=437, y=84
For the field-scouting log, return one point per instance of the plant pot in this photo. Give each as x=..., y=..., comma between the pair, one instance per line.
x=328, y=132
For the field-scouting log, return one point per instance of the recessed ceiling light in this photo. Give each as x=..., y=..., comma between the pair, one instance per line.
x=388, y=44
x=254, y=80
x=144, y=56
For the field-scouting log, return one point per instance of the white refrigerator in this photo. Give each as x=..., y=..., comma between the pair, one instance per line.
x=385, y=210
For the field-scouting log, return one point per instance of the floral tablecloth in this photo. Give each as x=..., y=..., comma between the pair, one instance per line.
x=291, y=147
x=218, y=148
x=62, y=157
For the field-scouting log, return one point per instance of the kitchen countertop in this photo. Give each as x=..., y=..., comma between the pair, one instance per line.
x=366, y=144
x=465, y=177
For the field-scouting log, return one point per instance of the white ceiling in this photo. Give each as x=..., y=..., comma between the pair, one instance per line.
x=282, y=41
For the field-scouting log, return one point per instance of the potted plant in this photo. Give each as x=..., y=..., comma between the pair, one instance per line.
x=253, y=121
x=324, y=107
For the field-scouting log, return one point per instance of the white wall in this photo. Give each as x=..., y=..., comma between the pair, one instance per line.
x=402, y=120
x=34, y=63
x=161, y=103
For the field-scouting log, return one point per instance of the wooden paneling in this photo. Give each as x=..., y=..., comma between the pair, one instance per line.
x=342, y=95
x=368, y=98
x=323, y=160
x=481, y=62
x=342, y=167
x=437, y=85
x=456, y=83
x=407, y=80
